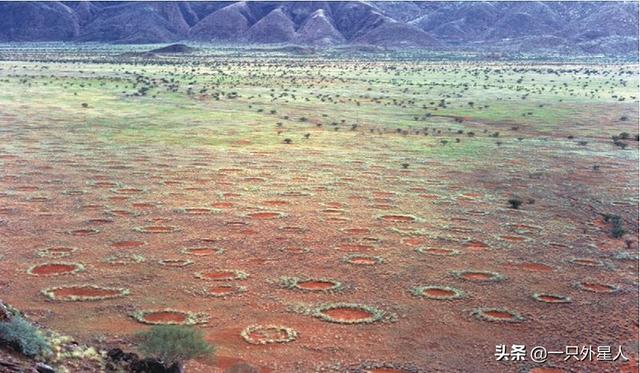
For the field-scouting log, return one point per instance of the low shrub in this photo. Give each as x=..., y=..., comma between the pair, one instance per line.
x=24, y=337
x=174, y=344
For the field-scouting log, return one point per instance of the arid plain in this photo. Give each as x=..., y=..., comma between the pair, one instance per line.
x=371, y=212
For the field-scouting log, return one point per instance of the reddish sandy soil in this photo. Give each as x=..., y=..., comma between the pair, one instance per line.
x=324, y=208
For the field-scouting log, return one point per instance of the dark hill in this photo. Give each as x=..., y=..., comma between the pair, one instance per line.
x=173, y=49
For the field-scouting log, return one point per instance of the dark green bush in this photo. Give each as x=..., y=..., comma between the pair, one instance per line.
x=515, y=203
x=174, y=344
x=617, y=225
x=24, y=337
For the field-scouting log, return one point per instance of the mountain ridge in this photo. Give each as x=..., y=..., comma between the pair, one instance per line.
x=588, y=27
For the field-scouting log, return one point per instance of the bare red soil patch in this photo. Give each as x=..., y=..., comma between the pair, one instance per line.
x=222, y=275
x=476, y=245
x=348, y=313
x=99, y=221
x=597, y=287
x=437, y=292
x=224, y=290
x=497, y=315
x=54, y=269
x=478, y=276
x=315, y=285
x=84, y=292
x=360, y=259
x=222, y=205
x=356, y=231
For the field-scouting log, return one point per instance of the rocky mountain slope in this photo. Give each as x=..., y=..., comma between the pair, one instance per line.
x=591, y=27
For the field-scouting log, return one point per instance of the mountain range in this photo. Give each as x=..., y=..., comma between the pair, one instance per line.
x=584, y=27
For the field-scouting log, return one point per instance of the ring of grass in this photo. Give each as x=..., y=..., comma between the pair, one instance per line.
x=294, y=284
x=482, y=314
x=290, y=335
x=79, y=267
x=376, y=314
x=124, y=259
x=336, y=219
x=513, y=239
x=38, y=199
x=189, y=250
x=147, y=229
x=586, y=262
x=191, y=318
x=239, y=275
x=298, y=250
x=277, y=215
x=493, y=276
x=196, y=211
x=83, y=232
x=50, y=252
x=74, y=192
x=124, y=190
x=103, y=184
x=175, y=262
x=412, y=232
x=418, y=291
x=524, y=228
x=409, y=218
x=50, y=293
x=292, y=229
x=235, y=223
x=434, y=251
x=349, y=259
x=206, y=292
x=557, y=298
x=294, y=193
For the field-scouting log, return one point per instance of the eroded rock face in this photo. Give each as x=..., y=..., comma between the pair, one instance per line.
x=118, y=360
x=4, y=312
x=44, y=368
